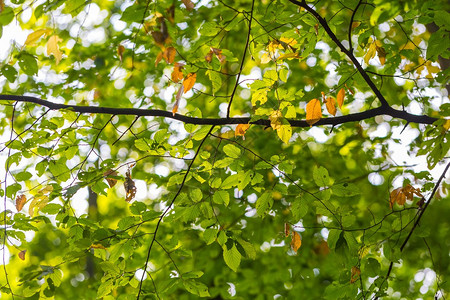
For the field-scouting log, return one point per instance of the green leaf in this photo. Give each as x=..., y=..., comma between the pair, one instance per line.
x=196, y=287
x=221, y=197
x=232, y=257
x=232, y=151
x=28, y=63
x=321, y=177
x=264, y=203
x=345, y=190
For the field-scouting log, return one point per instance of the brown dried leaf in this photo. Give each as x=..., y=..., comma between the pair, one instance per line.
x=22, y=254
x=177, y=100
x=120, y=50
x=130, y=187
x=111, y=181
x=209, y=56
x=287, y=229
x=158, y=58
x=189, y=5
x=20, y=202
x=356, y=272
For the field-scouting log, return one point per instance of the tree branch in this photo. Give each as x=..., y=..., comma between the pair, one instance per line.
x=349, y=54
x=355, y=117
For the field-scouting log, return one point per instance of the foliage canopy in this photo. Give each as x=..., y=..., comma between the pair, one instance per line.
x=231, y=149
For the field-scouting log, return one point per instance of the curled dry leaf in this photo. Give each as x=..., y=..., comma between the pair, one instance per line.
x=356, y=272
x=109, y=177
x=130, y=187
x=241, y=129
x=401, y=194
x=20, y=202
x=296, y=241
x=313, y=112
x=22, y=254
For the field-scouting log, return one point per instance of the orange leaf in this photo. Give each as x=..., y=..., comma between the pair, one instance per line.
x=340, y=97
x=241, y=129
x=120, y=50
x=169, y=54
x=209, y=56
x=189, y=81
x=177, y=74
x=330, y=103
x=189, y=5
x=356, y=272
x=401, y=194
x=22, y=254
x=313, y=112
x=296, y=241
x=20, y=202
x=97, y=246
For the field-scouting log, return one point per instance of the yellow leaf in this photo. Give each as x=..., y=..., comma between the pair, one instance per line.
x=36, y=35
x=296, y=241
x=355, y=24
x=22, y=254
x=313, y=112
x=40, y=200
x=447, y=124
x=20, y=202
x=177, y=73
x=265, y=58
x=259, y=95
x=273, y=46
x=288, y=41
x=340, y=97
x=53, y=48
x=370, y=53
x=330, y=103
x=288, y=56
x=241, y=129
x=276, y=119
x=169, y=54
x=285, y=133
x=97, y=246
x=120, y=50
x=356, y=272
x=189, y=81
x=189, y=5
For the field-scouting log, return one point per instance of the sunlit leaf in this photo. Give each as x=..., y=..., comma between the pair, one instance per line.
x=33, y=37
x=241, y=129
x=330, y=103
x=21, y=254
x=189, y=81
x=177, y=73
x=313, y=112
x=53, y=47
x=340, y=97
